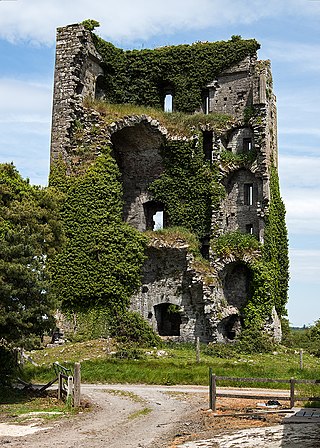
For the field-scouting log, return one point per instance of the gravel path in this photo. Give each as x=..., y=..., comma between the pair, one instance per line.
x=143, y=419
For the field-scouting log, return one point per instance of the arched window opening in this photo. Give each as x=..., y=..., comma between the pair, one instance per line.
x=100, y=89
x=168, y=317
x=168, y=102
x=230, y=327
x=236, y=284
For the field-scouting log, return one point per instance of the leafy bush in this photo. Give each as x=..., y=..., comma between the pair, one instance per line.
x=254, y=340
x=130, y=327
x=8, y=364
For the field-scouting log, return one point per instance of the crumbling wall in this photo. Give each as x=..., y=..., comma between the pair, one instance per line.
x=170, y=281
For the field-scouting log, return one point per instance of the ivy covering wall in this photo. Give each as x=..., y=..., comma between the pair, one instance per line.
x=143, y=76
x=188, y=188
x=100, y=264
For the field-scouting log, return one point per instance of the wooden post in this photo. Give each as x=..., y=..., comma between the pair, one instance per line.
x=77, y=385
x=301, y=359
x=198, y=349
x=210, y=388
x=59, y=386
x=214, y=393
x=70, y=388
x=292, y=381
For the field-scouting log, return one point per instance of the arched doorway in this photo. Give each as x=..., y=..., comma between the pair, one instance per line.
x=236, y=284
x=168, y=319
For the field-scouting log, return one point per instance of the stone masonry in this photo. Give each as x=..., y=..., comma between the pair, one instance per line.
x=177, y=298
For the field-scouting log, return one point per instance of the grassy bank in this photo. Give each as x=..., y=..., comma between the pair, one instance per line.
x=170, y=365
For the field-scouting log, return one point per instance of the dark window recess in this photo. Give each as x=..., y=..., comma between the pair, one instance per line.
x=145, y=289
x=150, y=315
x=154, y=214
x=248, y=194
x=207, y=145
x=247, y=144
x=249, y=229
x=205, y=248
x=168, y=319
x=100, y=89
x=79, y=88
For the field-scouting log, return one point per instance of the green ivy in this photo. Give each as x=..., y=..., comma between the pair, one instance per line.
x=275, y=250
x=188, y=187
x=101, y=262
x=141, y=76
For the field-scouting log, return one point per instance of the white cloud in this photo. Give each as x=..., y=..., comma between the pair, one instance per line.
x=126, y=20
x=304, y=57
x=305, y=265
x=25, y=102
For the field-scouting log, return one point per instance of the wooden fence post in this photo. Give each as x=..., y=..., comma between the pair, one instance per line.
x=210, y=388
x=214, y=393
x=292, y=381
x=77, y=385
x=198, y=349
x=301, y=359
x=59, y=386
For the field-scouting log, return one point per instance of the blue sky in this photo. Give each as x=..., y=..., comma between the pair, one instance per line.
x=289, y=34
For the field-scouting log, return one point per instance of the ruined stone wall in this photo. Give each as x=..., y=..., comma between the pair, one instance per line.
x=76, y=69
x=208, y=309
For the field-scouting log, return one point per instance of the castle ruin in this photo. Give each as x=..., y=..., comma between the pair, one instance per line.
x=177, y=297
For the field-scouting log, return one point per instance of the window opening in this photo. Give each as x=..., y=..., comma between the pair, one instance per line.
x=207, y=145
x=248, y=194
x=168, y=319
x=247, y=144
x=158, y=220
x=168, y=102
x=249, y=229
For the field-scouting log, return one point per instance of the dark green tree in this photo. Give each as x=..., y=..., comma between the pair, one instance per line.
x=30, y=234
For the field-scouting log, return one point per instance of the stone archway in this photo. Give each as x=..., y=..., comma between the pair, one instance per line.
x=136, y=149
x=168, y=319
x=236, y=284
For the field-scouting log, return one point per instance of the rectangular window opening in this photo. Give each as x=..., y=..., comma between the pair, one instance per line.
x=168, y=102
x=248, y=194
x=247, y=144
x=249, y=229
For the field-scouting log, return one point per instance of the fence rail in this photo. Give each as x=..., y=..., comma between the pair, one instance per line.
x=213, y=394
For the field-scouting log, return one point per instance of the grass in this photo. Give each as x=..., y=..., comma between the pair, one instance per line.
x=179, y=366
x=176, y=123
x=20, y=406
x=140, y=413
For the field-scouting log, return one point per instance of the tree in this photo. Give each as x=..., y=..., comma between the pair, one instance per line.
x=30, y=234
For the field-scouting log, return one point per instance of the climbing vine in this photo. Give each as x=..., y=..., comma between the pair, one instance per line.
x=101, y=261
x=143, y=76
x=188, y=187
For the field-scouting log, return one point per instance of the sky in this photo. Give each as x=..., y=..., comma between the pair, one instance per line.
x=289, y=34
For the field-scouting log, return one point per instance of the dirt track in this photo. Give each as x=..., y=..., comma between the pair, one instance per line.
x=162, y=417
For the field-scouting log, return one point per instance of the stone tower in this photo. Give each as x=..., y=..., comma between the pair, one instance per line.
x=176, y=297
